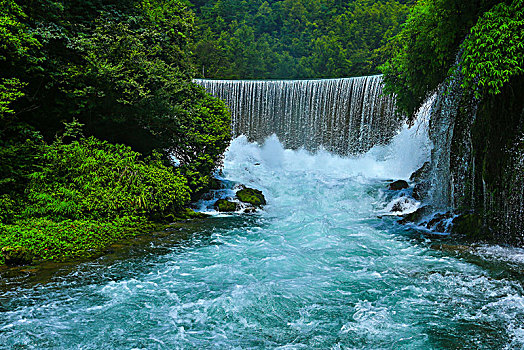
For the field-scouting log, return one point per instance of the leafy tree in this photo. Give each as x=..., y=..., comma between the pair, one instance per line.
x=424, y=53
x=494, y=51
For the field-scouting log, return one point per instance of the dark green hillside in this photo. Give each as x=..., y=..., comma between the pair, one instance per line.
x=294, y=39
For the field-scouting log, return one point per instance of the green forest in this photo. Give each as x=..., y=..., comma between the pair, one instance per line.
x=103, y=133
x=294, y=39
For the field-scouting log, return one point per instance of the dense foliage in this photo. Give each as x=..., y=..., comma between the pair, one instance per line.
x=92, y=179
x=494, y=51
x=60, y=241
x=294, y=38
x=482, y=39
x=96, y=100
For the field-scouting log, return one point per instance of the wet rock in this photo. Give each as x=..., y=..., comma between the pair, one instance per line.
x=402, y=204
x=420, y=191
x=419, y=174
x=251, y=196
x=16, y=256
x=250, y=210
x=398, y=185
x=208, y=195
x=223, y=205
x=469, y=225
x=440, y=222
x=215, y=184
x=416, y=216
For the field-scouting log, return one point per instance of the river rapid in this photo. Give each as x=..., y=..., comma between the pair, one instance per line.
x=320, y=267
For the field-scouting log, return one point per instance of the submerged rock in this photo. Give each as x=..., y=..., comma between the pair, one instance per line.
x=398, y=185
x=223, y=205
x=251, y=196
x=16, y=256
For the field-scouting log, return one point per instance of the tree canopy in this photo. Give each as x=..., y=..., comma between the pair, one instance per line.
x=479, y=39
x=282, y=39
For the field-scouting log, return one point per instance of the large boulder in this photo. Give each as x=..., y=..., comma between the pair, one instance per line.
x=223, y=205
x=16, y=256
x=251, y=196
x=398, y=185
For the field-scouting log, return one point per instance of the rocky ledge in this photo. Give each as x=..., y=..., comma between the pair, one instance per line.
x=462, y=224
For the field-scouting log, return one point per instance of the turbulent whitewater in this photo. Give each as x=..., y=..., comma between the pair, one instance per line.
x=345, y=116
x=316, y=269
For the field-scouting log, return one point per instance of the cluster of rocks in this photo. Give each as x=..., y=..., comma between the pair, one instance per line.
x=464, y=224
x=248, y=199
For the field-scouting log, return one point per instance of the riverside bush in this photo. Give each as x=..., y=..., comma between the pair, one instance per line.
x=87, y=195
x=60, y=241
x=93, y=179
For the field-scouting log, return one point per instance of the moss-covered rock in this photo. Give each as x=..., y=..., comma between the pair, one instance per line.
x=251, y=196
x=223, y=205
x=16, y=256
x=186, y=214
x=469, y=225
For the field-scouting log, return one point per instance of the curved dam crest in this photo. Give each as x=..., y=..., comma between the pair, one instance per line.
x=345, y=116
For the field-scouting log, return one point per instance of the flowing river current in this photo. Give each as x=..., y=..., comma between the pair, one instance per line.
x=318, y=268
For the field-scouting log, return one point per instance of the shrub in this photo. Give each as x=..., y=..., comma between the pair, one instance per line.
x=65, y=240
x=93, y=179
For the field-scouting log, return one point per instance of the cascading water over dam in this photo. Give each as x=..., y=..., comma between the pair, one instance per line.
x=345, y=116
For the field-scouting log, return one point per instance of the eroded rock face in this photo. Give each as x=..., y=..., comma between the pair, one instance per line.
x=421, y=190
x=16, y=256
x=251, y=196
x=223, y=205
x=421, y=173
x=398, y=185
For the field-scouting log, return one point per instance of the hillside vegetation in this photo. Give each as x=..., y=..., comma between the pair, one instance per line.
x=96, y=100
x=294, y=39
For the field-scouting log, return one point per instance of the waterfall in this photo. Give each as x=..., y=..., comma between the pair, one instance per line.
x=345, y=116
x=477, y=161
